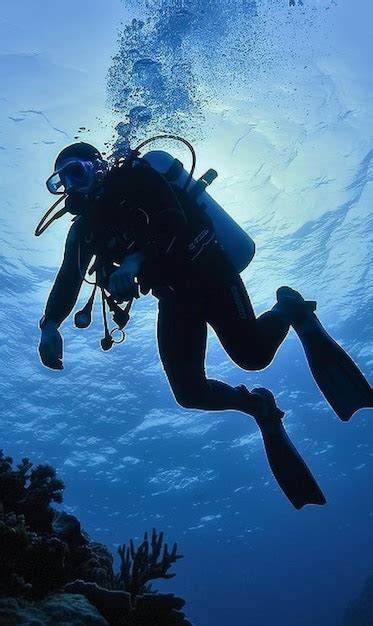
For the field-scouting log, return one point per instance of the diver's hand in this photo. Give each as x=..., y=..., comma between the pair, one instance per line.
x=122, y=284
x=51, y=347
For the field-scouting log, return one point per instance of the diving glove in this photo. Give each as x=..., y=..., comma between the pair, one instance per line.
x=122, y=285
x=51, y=346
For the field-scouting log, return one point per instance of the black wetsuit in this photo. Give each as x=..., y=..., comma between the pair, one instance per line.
x=187, y=271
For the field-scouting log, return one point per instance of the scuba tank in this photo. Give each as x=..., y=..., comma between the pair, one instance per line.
x=236, y=243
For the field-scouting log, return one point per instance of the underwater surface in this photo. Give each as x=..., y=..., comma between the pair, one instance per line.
x=276, y=98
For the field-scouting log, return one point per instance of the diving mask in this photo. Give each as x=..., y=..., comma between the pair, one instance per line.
x=76, y=175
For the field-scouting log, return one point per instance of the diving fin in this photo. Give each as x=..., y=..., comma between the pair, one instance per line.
x=338, y=377
x=287, y=465
x=290, y=470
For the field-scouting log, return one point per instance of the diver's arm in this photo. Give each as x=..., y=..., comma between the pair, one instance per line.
x=63, y=297
x=69, y=279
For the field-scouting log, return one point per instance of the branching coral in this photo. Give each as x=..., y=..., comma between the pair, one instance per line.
x=140, y=566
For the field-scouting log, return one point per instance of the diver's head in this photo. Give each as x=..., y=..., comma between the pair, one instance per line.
x=79, y=168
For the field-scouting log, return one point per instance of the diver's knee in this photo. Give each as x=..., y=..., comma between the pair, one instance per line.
x=184, y=401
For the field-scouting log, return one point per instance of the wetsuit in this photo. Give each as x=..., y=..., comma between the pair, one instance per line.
x=185, y=268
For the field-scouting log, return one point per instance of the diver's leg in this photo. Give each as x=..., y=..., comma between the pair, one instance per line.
x=182, y=338
x=182, y=335
x=249, y=341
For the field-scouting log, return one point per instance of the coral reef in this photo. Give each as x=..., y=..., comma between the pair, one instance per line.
x=360, y=612
x=47, y=558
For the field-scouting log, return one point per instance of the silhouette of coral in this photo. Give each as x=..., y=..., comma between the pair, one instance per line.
x=140, y=566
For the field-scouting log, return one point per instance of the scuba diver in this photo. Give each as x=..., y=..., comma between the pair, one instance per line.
x=143, y=223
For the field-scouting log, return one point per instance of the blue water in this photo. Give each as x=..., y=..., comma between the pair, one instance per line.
x=278, y=100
